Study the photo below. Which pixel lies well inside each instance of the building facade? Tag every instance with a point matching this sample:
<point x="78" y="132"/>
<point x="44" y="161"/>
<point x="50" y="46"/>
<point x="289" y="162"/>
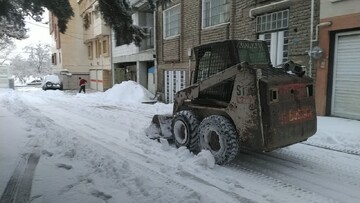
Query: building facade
<point x="182" y="24"/>
<point x="96" y="39"/>
<point x="338" y="69"/>
<point x="68" y="50"/>
<point x="136" y="62"/>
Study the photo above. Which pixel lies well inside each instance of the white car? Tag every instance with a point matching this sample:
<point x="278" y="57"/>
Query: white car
<point x="35" y="82"/>
<point x="52" y="82"/>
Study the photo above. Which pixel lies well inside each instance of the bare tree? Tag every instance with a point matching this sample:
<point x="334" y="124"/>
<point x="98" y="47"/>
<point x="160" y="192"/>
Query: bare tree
<point x="37" y="63"/>
<point x="19" y="68"/>
<point x="6" y="47"/>
<point x="39" y="59"/>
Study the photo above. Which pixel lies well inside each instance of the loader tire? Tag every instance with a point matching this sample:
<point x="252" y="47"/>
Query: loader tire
<point x="218" y="135"/>
<point x="184" y="129"/>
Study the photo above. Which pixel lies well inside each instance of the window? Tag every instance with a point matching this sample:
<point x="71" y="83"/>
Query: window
<point x="171" y="21"/>
<point x="87" y="20"/>
<point x="273" y="28"/>
<point x="53" y="59"/>
<point x="98" y="48"/>
<point x="272" y="21"/>
<point x="105" y="46"/>
<point x="59" y="58"/>
<point x="90" y="50"/>
<point x="215" y="12"/>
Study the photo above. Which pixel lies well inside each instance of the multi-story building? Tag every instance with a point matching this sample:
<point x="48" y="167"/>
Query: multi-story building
<point x="133" y="62"/>
<point x="96" y="39"/>
<point x="338" y="69"/>
<point x="68" y="50"/>
<point x="182" y="24"/>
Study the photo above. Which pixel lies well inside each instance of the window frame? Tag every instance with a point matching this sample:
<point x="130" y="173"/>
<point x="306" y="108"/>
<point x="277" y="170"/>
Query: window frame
<point x="265" y="22"/>
<point x="90" y="50"/>
<point x="203" y="13"/>
<point x="165" y="26"/>
<point x="274" y="29"/>
<point x="105" y="46"/>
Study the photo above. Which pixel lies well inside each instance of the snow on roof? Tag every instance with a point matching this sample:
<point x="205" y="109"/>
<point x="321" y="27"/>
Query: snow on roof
<point x="128" y="92"/>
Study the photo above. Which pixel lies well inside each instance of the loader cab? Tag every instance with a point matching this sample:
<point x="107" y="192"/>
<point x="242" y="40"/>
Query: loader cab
<point x="215" y="57"/>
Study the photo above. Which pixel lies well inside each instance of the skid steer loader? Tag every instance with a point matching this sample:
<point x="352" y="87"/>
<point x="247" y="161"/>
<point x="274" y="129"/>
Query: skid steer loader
<point x="238" y="99"/>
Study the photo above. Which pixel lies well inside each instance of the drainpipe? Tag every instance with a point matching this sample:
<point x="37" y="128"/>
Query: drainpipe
<point x="328" y="23"/>
<point x="311" y="37"/>
<point x="111" y="58"/>
<point x="155" y="59"/>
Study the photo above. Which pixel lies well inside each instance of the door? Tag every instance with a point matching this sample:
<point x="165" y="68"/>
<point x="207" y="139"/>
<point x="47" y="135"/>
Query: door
<point x="278" y="46"/>
<point x="346" y="76"/>
<point x="174" y="81"/>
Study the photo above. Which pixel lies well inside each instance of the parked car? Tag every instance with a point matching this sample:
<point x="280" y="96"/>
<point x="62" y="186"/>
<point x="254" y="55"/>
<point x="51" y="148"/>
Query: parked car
<point x="52" y="82"/>
<point x="35" y="82"/>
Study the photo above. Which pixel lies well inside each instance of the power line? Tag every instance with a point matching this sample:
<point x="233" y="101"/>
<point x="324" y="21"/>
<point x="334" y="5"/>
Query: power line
<point x="42" y="26"/>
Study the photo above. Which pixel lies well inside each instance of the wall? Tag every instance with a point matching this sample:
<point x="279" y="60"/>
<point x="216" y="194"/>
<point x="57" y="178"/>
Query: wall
<point x="339" y="24"/>
<point x="331" y="8"/>
<point x="74" y="51"/>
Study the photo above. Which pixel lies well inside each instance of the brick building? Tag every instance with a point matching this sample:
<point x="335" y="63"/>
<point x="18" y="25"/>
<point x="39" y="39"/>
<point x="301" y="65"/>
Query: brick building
<point x="183" y="24"/>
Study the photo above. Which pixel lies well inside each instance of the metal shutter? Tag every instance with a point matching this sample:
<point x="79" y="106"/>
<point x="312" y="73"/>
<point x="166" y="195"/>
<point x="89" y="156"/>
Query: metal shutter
<point x="346" y="81"/>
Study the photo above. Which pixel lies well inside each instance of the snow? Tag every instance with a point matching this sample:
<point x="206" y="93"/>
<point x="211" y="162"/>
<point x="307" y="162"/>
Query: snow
<point x="93" y="148"/>
<point x="337" y="133"/>
<point x="128" y="92"/>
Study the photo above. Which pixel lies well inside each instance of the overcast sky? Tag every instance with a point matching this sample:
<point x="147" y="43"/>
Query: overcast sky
<point x="38" y="32"/>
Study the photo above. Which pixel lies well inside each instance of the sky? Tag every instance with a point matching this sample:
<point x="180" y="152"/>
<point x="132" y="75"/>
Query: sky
<point x="38" y="32"/>
<point x="92" y="148"/>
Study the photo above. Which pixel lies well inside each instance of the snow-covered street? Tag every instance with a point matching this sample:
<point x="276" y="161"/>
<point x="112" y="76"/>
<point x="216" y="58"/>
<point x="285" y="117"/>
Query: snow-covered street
<point x="61" y="146"/>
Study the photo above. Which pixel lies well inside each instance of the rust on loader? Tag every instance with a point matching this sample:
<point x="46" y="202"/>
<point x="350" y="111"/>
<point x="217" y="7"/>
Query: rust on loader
<point x="238" y="99"/>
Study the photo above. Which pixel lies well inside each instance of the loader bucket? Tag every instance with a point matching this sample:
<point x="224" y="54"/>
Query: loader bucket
<point x="160" y="127"/>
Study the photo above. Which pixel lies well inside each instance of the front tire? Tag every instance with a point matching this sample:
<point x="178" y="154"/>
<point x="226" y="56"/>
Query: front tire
<point x="218" y="135"/>
<point x="184" y="129"/>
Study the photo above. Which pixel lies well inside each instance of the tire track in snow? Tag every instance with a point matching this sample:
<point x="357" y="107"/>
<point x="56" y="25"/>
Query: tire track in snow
<point x="265" y="169"/>
<point x="352" y="152"/>
<point x="18" y="189"/>
<point x="138" y="166"/>
<point x="303" y="175"/>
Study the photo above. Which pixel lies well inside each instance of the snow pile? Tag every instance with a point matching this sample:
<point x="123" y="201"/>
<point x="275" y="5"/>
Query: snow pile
<point x="205" y="158"/>
<point x="128" y="92"/>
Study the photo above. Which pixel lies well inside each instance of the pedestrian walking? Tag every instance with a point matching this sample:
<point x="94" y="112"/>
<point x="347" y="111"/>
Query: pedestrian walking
<point x="82" y="84"/>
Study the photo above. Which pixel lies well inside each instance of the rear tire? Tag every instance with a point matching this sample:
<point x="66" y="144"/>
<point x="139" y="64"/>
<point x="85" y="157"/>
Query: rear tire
<point x="48" y="85"/>
<point x="218" y="135"/>
<point x="184" y="129"/>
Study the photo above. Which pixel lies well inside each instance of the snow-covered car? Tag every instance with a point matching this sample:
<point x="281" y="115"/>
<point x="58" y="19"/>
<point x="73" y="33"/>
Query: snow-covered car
<point x="35" y="82"/>
<point x="52" y="82"/>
